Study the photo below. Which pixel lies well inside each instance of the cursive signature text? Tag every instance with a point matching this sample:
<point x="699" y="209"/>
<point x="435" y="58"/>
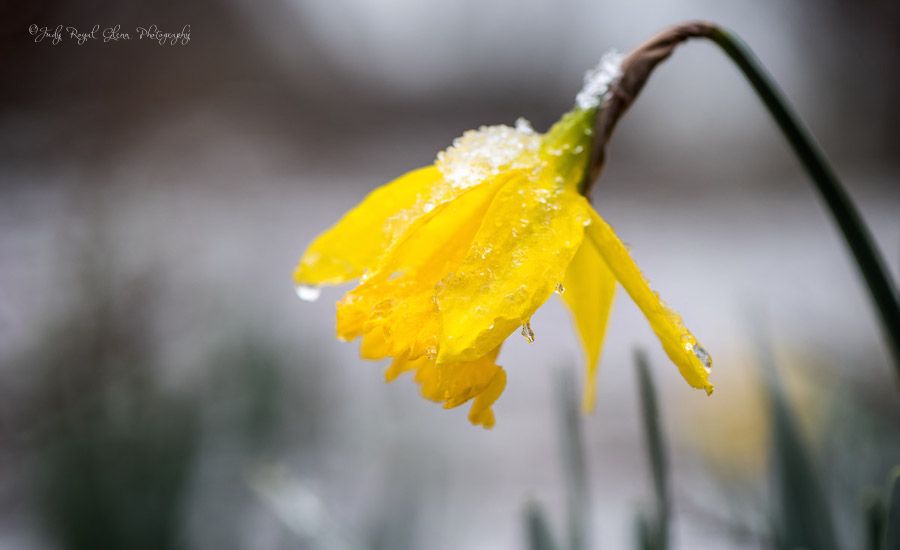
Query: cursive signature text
<point x="56" y="35"/>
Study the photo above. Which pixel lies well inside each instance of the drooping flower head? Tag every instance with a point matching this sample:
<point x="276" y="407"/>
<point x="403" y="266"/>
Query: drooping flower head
<point x="454" y="257"/>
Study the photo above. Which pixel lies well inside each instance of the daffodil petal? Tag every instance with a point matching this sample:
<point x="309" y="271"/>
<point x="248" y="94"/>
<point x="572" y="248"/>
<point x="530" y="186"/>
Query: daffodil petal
<point x="481" y="413"/>
<point x="588" y="291"/>
<point x="453" y="384"/>
<point x="356" y="242"/>
<point x="680" y="345"/>
<point x="527" y="239"/>
<point x="394" y="309"/>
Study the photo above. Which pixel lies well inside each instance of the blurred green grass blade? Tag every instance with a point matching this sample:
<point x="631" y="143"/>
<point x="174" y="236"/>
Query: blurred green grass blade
<point x="659" y="528"/>
<point x="804" y="519"/>
<point x="874" y="520"/>
<point x="573" y="456"/>
<point x="892" y="518"/>
<point x="644" y="533"/>
<point x="537" y="528"/>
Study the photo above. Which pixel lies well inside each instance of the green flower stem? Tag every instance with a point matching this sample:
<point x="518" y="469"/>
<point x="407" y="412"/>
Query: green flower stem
<point x="844" y="212"/>
<point x="636" y="69"/>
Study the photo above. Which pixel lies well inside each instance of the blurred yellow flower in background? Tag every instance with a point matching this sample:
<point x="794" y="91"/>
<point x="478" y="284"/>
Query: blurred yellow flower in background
<point x="454" y="257"/>
<point x="733" y="433"/>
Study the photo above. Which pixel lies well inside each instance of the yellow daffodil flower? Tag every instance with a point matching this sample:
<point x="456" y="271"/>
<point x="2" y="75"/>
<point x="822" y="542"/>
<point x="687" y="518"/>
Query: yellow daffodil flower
<point x="454" y="257"/>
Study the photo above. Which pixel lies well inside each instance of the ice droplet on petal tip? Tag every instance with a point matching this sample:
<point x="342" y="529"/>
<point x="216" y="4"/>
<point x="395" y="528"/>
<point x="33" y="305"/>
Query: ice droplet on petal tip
<point x="308" y="293"/>
<point x="559" y="288"/>
<point x="528" y="332"/>
<point x="703" y="356"/>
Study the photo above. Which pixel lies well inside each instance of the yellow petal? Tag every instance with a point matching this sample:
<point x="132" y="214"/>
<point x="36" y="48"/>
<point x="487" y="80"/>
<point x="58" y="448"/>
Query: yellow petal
<point x="394" y="309"/>
<point x="588" y="291"/>
<point x="455" y="383"/>
<point x="481" y="413"/>
<point x="527" y="239"/>
<point x="680" y="345"/>
<point x="356" y="242"/>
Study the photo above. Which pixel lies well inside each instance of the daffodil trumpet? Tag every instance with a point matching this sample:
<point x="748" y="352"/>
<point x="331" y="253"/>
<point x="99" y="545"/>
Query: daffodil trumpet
<point x="455" y="257"/>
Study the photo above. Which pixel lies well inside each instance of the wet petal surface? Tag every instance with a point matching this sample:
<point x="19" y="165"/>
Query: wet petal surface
<point x="679" y="343"/>
<point x="394" y="309"/>
<point x="525" y="243"/>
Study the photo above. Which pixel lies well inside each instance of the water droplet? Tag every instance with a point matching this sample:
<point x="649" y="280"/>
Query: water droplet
<point x="428" y="207"/>
<point x="527" y="332"/>
<point x="308" y="293"/>
<point x="559" y="288"/>
<point x="703" y="356"/>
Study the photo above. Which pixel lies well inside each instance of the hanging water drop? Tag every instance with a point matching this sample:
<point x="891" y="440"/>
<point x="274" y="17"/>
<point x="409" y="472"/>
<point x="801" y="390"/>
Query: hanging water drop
<point x="527" y="332"/>
<point x="559" y="288"/>
<point x="308" y="293"/>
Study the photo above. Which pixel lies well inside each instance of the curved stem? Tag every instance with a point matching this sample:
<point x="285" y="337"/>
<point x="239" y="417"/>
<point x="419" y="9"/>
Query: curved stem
<point x="636" y="69"/>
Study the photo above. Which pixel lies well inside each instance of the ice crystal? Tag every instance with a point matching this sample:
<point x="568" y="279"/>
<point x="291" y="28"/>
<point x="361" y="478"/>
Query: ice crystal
<point x="598" y="81"/>
<point x="480" y="154"/>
